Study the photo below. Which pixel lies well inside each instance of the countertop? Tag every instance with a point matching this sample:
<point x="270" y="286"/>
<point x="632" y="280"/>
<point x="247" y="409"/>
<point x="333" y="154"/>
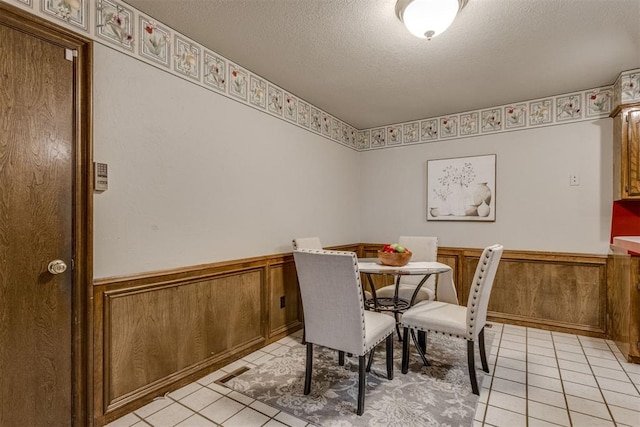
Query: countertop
<point x="631" y="244"/>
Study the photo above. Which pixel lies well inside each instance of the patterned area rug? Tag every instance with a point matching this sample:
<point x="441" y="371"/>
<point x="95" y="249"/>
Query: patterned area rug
<point x="436" y="395"/>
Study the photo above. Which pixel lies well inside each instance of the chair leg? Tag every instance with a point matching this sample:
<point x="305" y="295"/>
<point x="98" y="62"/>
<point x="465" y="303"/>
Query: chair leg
<point x="307" y="374"/>
<point x="370" y="361"/>
<point x="483" y="352"/>
<point x="361" y="385"/>
<point x="389" y="356"/>
<point x="420" y="352"/>
<point x="405" y="352"/>
<point x="397" y="316"/>
<point x="341" y="358"/>
<point x="472" y="368"/>
<point x="422" y="340"/>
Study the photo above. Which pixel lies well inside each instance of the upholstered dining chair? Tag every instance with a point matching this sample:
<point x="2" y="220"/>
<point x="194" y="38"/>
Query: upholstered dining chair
<point x="333" y="305"/>
<point x="456" y="320"/>
<point x="306" y="243"/>
<point x="424" y="248"/>
<point x="314" y="243"/>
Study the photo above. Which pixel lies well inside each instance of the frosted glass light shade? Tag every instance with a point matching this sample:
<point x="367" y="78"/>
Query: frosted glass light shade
<point x="427" y="18"/>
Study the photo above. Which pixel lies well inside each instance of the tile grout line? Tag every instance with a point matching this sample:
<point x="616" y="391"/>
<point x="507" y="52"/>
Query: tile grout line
<point x="564" y="392"/>
<point x="230" y="376"/>
<point x="526" y="376"/>
<point x="139" y="419"/>
<point x="562" y="381"/>
<point x="491" y="386"/>
<point x="604" y="399"/>
<point x="636" y="386"/>
<point x="500" y="347"/>
<point x="486" y="406"/>
<point x="241" y="370"/>
<point x="195" y="412"/>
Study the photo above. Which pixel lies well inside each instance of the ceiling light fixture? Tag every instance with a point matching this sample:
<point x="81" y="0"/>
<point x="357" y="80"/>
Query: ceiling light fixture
<point x="428" y="18"/>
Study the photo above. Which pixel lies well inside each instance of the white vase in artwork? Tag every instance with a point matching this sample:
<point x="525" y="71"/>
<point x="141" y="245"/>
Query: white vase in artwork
<point x="483" y="209"/>
<point x="457" y="205"/>
<point x="482" y="193"/>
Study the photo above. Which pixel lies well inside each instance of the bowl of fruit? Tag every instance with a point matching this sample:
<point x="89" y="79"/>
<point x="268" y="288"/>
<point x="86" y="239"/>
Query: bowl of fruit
<point x="394" y="255"/>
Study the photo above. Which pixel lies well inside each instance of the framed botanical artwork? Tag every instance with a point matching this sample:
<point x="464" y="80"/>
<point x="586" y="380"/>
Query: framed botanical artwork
<point x="462" y="189"/>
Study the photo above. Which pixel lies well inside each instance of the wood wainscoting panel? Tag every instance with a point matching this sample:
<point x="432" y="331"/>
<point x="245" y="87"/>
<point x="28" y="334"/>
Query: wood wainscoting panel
<point x="623" y="304"/>
<point x="156" y="334"/>
<point x="453" y="258"/>
<point x="285" y="311"/>
<point x="634" y="311"/>
<point x="563" y="292"/>
<point x="618" y="300"/>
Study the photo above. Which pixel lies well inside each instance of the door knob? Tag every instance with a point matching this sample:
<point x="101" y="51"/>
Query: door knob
<point x="57" y="266"/>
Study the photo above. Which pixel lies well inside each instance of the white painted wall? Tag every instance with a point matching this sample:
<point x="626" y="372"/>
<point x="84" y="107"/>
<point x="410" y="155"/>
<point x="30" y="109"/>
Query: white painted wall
<point x="536" y="208"/>
<point x="195" y="177"/>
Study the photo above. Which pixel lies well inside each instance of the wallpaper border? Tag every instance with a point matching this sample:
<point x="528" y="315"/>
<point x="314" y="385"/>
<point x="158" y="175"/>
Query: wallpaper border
<point x="122" y="27"/>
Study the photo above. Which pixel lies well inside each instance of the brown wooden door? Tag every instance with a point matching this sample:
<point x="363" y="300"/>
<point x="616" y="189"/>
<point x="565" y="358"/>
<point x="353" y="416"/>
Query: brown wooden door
<point x="36" y="227"/>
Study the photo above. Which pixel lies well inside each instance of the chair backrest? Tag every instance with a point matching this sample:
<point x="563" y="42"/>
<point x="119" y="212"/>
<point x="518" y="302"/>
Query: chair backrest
<point x="424" y="248"/>
<point x="481" y="290"/>
<point x="306" y="243"/>
<point x="331" y="299"/>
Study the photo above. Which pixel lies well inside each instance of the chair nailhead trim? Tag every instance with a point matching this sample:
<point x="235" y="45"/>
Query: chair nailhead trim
<point x="367" y="350"/>
<point x="443" y="333"/>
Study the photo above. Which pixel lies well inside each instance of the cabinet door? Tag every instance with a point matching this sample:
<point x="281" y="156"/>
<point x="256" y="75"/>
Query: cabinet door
<point x="633" y="154"/>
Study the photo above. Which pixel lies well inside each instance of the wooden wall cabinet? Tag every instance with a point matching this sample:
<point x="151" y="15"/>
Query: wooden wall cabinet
<point x="626" y="152"/>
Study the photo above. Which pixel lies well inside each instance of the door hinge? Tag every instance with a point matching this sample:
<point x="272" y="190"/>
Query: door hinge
<point x="73" y="264"/>
<point x="69" y="54"/>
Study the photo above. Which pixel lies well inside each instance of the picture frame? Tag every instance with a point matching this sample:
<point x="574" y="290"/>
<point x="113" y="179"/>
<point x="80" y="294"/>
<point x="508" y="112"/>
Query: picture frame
<point x="462" y="189"/>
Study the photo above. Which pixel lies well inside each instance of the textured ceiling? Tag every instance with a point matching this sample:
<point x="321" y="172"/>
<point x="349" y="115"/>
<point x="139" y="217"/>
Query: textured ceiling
<point x="355" y="60"/>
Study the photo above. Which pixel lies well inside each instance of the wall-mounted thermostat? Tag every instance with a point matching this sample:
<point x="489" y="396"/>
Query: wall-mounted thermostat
<point x="100" y="177"/>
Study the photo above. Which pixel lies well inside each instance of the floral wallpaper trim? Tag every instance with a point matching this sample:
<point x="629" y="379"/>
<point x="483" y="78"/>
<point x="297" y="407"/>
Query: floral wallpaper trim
<point x="187" y="58"/>
<point x="116" y="24"/>
<point x="258" y="92"/>
<point x="155" y="41"/>
<point x="626" y="89"/>
<point x="565" y="108"/>
<point x="72" y="12"/>
<point x="215" y="71"/>
<point x="238" y="81"/>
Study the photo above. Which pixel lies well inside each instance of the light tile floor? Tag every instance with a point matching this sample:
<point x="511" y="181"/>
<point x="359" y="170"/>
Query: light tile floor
<point x="538" y="378"/>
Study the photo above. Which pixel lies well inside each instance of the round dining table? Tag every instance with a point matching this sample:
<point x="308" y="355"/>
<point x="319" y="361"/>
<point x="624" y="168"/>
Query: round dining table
<point x="396" y="304"/>
<point x="371" y="266"/>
